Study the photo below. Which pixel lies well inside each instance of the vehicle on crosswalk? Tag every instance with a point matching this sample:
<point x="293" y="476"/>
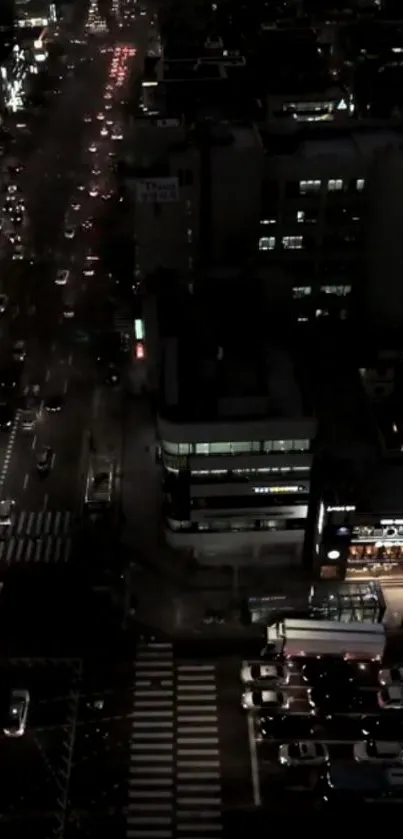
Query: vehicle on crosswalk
<point x="17" y="713"/>
<point x="258" y="672"/>
<point x="6" y="512"/>
<point x="378" y="751"/>
<point x="391" y="676"/>
<point x="303" y="753"/>
<point x="44" y="460"/>
<point x="265" y="699"/>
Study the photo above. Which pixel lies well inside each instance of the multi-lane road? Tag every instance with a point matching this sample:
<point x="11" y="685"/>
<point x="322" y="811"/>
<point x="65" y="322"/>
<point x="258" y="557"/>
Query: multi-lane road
<point x="58" y="354"/>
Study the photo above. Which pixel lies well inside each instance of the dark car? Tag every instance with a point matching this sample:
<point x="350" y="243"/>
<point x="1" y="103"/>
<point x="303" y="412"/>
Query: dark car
<point x="289" y="727"/>
<point x="54" y="403"/>
<point x="345" y="699"/>
<point x="385" y="727"/>
<point x="318" y="672"/>
<point x="7" y="415"/>
<point x="112" y="376"/>
<point x="10" y="377"/>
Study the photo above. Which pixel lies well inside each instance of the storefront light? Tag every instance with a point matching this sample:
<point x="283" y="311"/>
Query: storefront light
<point x="333" y="555"/>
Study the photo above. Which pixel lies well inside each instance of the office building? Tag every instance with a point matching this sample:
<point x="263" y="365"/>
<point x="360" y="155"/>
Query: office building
<point x="235" y="432"/>
<point x="196" y="193"/>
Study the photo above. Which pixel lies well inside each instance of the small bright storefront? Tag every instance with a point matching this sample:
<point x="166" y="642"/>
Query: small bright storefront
<point x="360" y="546"/>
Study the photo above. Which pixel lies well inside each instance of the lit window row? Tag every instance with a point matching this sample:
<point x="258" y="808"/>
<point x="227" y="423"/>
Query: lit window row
<point x="333" y="185"/>
<point x="305" y="291"/>
<point x="289" y="243"/>
<point x="236" y="447"/>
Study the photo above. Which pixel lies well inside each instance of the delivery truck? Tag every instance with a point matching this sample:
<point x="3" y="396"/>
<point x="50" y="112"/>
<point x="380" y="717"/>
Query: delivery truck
<point x="292" y="638"/>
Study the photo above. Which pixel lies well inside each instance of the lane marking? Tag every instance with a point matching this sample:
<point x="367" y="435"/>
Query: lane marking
<point x="47" y="377"/>
<point x="45" y="501"/>
<point x="65" y="386"/>
<point x="33" y="443"/>
<point x="9" y="449"/>
<point x="257" y="798"/>
<point x="26" y="479"/>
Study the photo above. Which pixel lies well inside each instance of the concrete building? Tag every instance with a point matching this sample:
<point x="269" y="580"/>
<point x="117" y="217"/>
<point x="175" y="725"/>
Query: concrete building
<point x="313" y="228"/>
<point x="235" y="436"/>
<point x="196" y="193"/>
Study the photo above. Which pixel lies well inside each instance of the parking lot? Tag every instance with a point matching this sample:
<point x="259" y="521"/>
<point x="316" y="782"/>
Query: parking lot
<point x="35" y="768"/>
<point x="344" y="713"/>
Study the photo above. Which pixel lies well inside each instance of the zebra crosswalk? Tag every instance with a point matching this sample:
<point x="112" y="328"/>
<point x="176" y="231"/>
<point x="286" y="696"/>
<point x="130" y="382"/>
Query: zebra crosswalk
<point x="175" y="778"/>
<point x="40" y="536"/>
<point x="46" y="522"/>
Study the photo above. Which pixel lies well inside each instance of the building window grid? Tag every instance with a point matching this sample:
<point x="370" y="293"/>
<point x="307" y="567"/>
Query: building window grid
<point x="267" y="243"/>
<point x="236" y="447"/>
<point x="306" y="187"/>
<point x="335" y="185"/>
<point x="292" y="243"/>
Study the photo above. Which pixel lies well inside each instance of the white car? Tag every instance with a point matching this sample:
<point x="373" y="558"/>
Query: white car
<point x="390" y="698"/>
<point x="70" y="232"/>
<point x="62" y="277"/>
<point x="92" y="148"/>
<point x="75" y="206"/>
<point x="259" y="672"/>
<point x="17" y="713"/>
<point x="272" y="700"/>
<point x="378" y="751"/>
<point x="3" y="303"/>
<point x="104" y="132"/>
<point x="303" y="753"/>
<point x="6" y="509"/>
<point x="87" y="118"/>
<point x="19" y="253"/>
<point x="93" y="191"/>
<point x="393" y="676"/>
<point x="117" y="135"/>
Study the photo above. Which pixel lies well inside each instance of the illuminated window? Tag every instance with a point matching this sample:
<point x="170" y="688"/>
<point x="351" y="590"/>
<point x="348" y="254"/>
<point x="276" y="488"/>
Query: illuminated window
<point x="292" y="243"/>
<point x="339" y="290"/>
<point x="360" y="183"/>
<point x="267" y="243"/>
<point x="309" y="186"/>
<point x="335" y="185"/>
<point x="301" y="291"/>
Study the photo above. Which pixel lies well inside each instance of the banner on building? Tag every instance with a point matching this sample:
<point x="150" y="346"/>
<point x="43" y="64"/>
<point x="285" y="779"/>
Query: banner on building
<point x="157" y="190"/>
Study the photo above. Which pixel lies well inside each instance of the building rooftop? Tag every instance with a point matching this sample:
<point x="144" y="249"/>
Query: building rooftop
<point x="221" y="364"/>
<point x="332" y="139"/>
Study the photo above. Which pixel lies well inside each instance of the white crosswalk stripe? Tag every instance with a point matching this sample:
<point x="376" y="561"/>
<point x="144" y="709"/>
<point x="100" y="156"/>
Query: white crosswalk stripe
<point x="37" y="537"/>
<point x="175" y="777"/>
<point x="35" y="523"/>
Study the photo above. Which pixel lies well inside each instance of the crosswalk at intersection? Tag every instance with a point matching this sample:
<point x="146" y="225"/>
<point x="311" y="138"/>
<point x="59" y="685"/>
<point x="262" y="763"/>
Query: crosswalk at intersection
<point x="175" y="775"/>
<point x="40" y="536"/>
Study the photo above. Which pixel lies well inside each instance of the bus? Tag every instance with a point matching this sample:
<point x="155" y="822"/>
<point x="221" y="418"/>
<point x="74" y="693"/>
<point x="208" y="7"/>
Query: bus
<point x="299" y="637"/>
<point x="100" y="484"/>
